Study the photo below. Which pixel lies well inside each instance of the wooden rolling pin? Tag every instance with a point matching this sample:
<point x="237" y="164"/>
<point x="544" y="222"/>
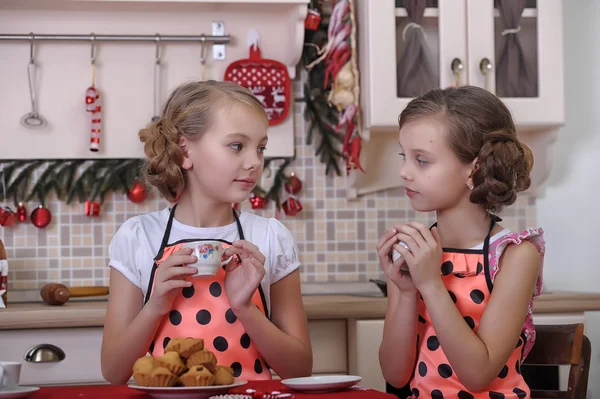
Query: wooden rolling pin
<point x="58" y="294"/>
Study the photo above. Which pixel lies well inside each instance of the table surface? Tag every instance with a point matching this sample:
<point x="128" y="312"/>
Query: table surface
<point x="124" y="392"/>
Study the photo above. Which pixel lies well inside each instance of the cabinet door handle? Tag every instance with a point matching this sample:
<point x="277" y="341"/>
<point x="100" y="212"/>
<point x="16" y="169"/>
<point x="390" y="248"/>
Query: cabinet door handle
<point x="44" y="353"/>
<point x="485" y="66"/>
<point x="457" y="67"/>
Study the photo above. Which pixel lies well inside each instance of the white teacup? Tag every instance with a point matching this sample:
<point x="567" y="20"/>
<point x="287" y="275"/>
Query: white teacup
<point x="209" y="254"/>
<point x="10" y="374"/>
<point x="396" y="255"/>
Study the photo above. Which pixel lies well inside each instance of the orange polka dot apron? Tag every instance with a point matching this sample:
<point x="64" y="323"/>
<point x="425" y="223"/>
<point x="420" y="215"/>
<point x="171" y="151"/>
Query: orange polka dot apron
<point x="466" y="275"/>
<point x="203" y="311"/>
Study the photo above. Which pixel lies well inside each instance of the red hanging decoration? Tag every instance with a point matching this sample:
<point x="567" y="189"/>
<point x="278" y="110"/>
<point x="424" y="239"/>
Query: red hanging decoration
<point x="353" y="157"/>
<point x="41" y="217"/>
<point x="137" y="193"/>
<point x="258" y="201"/>
<point x="291" y="206"/>
<point x="313" y="19"/>
<point x="7" y="217"/>
<point x="21" y="212"/>
<point x="92" y="208"/>
<point x="236" y="206"/>
<point x="293" y="185"/>
<point x="93" y="107"/>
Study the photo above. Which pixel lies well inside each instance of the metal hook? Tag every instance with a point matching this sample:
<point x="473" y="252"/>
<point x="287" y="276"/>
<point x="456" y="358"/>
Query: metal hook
<point x="203" y="49"/>
<point x="31" y="59"/>
<point x="157" y="55"/>
<point x="92" y="50"/>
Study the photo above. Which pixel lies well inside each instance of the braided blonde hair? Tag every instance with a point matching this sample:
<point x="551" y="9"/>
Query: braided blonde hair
<point x="188" y="112"/>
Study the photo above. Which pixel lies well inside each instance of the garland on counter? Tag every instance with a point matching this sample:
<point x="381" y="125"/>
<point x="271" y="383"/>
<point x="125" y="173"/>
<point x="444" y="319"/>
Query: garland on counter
<point x="331" y="91"/>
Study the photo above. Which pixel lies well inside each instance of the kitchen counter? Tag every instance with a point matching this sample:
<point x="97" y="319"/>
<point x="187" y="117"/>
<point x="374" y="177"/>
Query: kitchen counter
<point x="91" y="313"/>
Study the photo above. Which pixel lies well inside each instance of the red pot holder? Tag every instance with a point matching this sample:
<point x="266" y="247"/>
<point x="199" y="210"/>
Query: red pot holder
<point x="267" y="79"/>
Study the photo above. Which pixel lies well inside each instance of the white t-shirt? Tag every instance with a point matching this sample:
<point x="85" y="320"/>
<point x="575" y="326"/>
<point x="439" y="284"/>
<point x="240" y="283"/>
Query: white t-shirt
<point x="136" y="243"/>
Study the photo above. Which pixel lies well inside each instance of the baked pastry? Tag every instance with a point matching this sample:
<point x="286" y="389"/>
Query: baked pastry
<point x="161" y="377"/>
<point x="189" y="346"/>
<point x="197" y="376"/>
<point x="202" y="358"/>
<point x="142" y="368"/>
<point x="173" y="345"/>
<point x="223" y="375"/>
<point x="171" y="361"/>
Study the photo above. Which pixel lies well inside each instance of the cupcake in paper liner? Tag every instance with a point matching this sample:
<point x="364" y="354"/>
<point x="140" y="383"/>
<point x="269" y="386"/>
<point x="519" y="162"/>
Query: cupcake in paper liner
<point x="189" y="346"/>
<point x="223" y="375"/>
<point x="197" y="376"/>
<point x="172" y="362"/>
<point x="142" y="368"/>
<point x="203" y="358"/>
<point x="161" y="377"/>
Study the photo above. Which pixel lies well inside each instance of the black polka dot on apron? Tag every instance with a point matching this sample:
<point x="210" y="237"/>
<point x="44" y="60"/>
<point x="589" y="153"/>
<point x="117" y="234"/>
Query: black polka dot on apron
<point x="422" y="369"/>
<point x="166" y="342"/>
<point x="479" y="267"/>
<point x="503" y="372"/>
<point x="203" y="317"/>
<point x="237" y="369"/>
<point x="437" y="394"/>
<point x="445" y="371"/>
<point x="151" y="349"/>
<point x="447" y="268"/>
<point x="470" y="321"/>
<point x="415" y="392"/>
<point x="452" y="296"/>
<point x="465" y="395"/>
<point x="518" y="366"/>
<point x="258" y="368"/>
<point x="422" y="319"/>
<point x="458" y="275"/>
<point x="433" y="343"/>
<point x="175" y="317"/>
<point x="521" y="394"/>
<point x="421" y="296"/>
<point x="519" y="343"/>
<point x="220" y="344"/>
<point x="245" y="341"/>
<point x="230" y="316"/>
<point x="188" y="292"/>
<point x="215" y="289"/>
<point x="477" y="296"/>
<point x="496" y="395"/>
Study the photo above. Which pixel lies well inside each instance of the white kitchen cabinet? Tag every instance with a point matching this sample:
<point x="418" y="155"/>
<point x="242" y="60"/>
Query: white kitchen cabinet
<point x="81" y="346"/>
<point x="461" y="38"/>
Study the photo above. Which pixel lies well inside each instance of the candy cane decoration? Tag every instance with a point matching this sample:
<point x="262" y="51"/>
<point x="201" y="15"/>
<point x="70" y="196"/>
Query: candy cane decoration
<point x="92" y="101"/>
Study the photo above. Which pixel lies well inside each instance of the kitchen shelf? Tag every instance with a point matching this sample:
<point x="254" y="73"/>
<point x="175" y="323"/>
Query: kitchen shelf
<point x="433" y="12"/>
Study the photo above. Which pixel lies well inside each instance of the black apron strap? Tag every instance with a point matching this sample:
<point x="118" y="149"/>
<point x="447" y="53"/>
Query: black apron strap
<point x="166" y="235"/>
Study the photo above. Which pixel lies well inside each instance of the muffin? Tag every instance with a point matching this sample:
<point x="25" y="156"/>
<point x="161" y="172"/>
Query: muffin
<point x="173" y="345"/>
<point x="223" y="375"/>
<point x="142" y="368"/>
<point x="172" y="362"/>
<point x="197" y="376"/>
<point x="189" y="346"/>
<point x="202" y="358"/>
<point x="161" y="377"/>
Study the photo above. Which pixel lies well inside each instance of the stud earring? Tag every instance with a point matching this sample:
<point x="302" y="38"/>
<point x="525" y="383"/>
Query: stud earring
<point x="471" y="187"/>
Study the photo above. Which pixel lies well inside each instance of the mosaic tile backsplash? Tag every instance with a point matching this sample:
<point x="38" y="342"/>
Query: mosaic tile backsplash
<point x="336" y="237"/>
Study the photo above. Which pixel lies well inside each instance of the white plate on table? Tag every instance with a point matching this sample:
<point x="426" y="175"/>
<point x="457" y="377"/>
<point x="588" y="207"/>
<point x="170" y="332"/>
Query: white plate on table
<point x="187" y="392"/>
<point x="18" y="392"/>
<point x="322" y="383"/>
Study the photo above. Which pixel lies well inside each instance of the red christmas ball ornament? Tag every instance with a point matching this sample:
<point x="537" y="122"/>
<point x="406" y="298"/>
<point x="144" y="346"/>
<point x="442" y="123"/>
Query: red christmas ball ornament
<point x="258" y="201"/>
<point x="312" y="20"/>
<point x="291" y="206"/>
<point x="293" y="185"/>
<point x="7" y="217"/>
<point x="21" y="212"/>
<point x="41" y="217"/>
<point x="92" y="208"/>
<point x="137" y="193"/>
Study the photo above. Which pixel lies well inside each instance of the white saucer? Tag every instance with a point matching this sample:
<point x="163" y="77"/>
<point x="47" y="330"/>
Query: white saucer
<point x="187" y="392"/>
<point x="18" y="392"/>
<point x="322" y="383"/>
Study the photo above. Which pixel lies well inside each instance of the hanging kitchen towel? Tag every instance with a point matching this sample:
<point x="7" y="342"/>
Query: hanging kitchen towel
<point x="267" y="79"/>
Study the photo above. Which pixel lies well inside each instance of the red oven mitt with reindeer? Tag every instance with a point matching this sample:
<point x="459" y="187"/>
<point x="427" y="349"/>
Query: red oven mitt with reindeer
<point x="267" y="79"/>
